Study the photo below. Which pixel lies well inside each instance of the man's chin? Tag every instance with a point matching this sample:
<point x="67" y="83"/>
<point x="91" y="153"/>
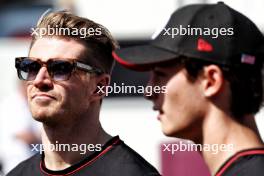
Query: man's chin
<point x="43" y="115"/>
<point x="41" y="118"/>
<point x="168" y="132"/>
<point x="47" y="120"/>
<point x="173" y="132"/>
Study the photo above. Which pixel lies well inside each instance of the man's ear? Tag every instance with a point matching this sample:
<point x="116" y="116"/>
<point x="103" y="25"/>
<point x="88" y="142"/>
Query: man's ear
<point x="212" y="80"/>
<point x="102" y="83"/>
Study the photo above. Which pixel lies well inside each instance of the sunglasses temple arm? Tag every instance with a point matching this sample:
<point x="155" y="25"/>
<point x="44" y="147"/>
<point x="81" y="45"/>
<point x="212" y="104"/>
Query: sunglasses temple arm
<point x="88" y="68"/>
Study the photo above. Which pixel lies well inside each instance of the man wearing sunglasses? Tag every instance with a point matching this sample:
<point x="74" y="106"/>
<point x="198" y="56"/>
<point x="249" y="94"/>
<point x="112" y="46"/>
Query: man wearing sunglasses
<point x="213" y="84"/>
<point x="62" y="74"/>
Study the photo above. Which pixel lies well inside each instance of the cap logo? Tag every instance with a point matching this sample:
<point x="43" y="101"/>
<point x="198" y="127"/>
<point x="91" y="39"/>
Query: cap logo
<point x="248" y="59"/>
<point x="203" y="45"/>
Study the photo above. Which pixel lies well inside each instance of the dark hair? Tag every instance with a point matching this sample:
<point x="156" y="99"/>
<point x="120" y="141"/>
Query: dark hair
<point x="99" y="47"/>
<point x="245" y="85"/>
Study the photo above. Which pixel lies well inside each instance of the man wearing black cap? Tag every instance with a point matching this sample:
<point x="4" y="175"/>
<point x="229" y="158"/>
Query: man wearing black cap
<point x="210" y="58"/>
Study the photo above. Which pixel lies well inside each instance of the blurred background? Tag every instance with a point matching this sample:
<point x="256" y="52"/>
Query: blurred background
<point x="127" y="115"/>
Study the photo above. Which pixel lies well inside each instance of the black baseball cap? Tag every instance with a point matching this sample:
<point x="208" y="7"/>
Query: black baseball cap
<point x="208" y="32"/>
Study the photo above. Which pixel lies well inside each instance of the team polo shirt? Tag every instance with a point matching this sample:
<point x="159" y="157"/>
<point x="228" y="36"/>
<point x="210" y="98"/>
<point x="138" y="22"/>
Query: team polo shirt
<point x="115" y="159"/>
<point x="244" y="163"/>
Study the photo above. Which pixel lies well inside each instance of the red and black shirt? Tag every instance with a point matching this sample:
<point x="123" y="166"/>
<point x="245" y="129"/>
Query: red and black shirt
<point x="115" y="159"/>
<point x="244" y="163"/>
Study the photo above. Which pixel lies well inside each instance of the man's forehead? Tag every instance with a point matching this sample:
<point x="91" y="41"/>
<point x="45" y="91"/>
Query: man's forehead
<point x="54" y="47"/>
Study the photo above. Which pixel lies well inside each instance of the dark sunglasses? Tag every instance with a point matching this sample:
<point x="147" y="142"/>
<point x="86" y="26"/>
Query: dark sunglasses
<point x="59" y="70"/>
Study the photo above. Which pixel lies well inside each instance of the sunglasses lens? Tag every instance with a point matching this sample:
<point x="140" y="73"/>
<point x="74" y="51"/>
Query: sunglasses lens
<point x="27" y="69"/>
<point x="60" y="70"/>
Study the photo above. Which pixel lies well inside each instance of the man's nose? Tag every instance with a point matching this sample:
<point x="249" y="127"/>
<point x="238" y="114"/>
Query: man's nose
<point x="43" y="78"/>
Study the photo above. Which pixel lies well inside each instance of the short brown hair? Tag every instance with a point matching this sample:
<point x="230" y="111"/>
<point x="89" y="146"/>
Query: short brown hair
<point x="99" y="45"/>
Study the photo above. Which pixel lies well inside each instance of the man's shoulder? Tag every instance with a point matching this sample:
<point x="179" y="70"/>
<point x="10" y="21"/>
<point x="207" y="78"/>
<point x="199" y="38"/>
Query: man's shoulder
<point x="129" y="161"/>
<point x="27" y="167"/>
<point x="251" y="165"/>
<point x="248" y="162"/>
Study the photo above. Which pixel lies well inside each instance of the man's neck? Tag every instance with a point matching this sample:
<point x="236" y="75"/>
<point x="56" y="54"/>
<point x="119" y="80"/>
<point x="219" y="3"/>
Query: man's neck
<point x="82" y="132"/>
<point x="221" y="129"/>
